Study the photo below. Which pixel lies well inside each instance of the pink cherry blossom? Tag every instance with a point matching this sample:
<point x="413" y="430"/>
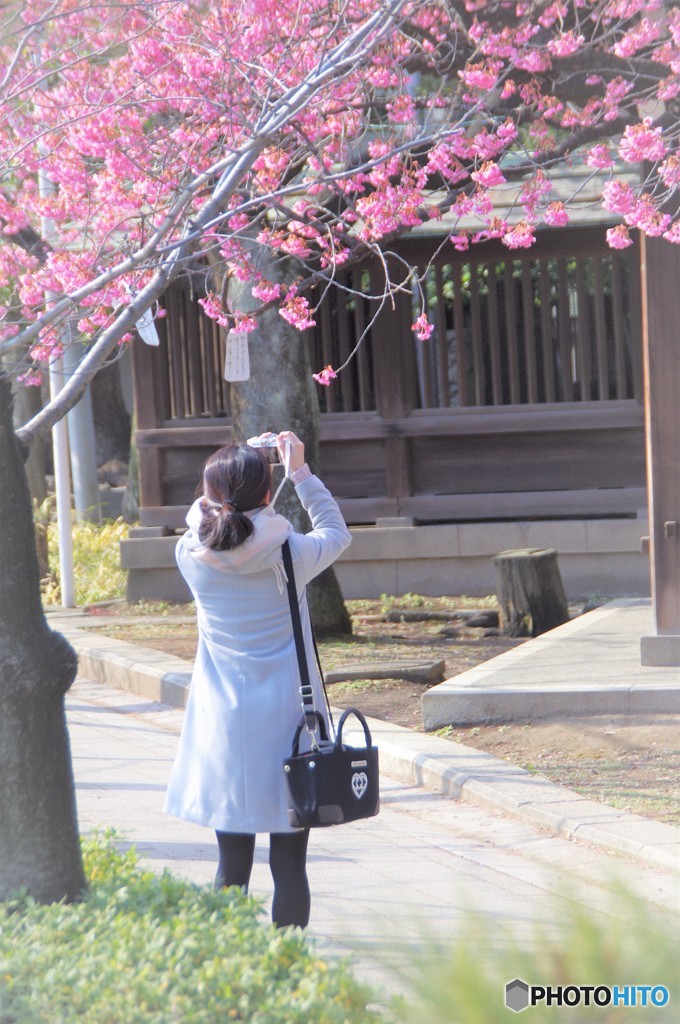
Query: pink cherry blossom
<point x="422" y="327"/>
<point x="565" y="44"/>
<point x="137" y="111"/>
<point x="325" y="376"/>
<point x="481" y="76"/>
<point x="295" y="310"/>
<point x="556" y="215"/>
<point x="442" y="160"/>
<point x="619" y="237"/>
<point x="244" y="322"/>
<point x="673" y="233"/>
<point x="647" y="218"/>
<point x="670" y="172"/>
<point x="642" y="142"/>
<point x="212" y="307"/>
<point x="401" y="110"/>
<point x="267" y="291"/>
<point x="461" y="241"/>
<point x="555" y="12"/>
<point x="533" y="61"/>
<point x="488" y="175"/>
<point x="618" y="197"/>
<point x="599" y="156"/>
<point x="520" y="237"/>
<point x="640" y="36"/>
<point x="31" y="379"/>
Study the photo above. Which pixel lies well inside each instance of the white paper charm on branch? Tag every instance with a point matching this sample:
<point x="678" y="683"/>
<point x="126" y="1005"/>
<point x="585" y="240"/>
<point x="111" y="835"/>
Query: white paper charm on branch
<point x="147" y="328"/>
<point x="237" y="362"/>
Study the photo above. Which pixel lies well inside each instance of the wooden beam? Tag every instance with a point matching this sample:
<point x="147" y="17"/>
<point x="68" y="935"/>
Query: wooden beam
<point x="660" y="290"/>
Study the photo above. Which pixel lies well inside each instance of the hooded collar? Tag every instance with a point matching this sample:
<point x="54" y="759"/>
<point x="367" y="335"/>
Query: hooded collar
<point x="262" y="550"/>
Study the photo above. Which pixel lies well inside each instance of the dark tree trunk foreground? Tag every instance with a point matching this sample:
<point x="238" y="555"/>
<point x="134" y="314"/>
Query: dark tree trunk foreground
<point x="39" y="843"/>
<point x="280" y="395"/>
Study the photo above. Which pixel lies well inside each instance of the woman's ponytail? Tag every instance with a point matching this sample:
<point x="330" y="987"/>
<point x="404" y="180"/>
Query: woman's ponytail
<point x="236" y="480"/>
<point x="223" y="528"/>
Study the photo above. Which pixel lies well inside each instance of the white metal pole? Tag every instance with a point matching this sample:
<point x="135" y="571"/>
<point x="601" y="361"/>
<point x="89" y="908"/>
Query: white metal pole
<point x="62" y="487"/>
<point x="82" y="447"/>
<point x="62" y="472"/>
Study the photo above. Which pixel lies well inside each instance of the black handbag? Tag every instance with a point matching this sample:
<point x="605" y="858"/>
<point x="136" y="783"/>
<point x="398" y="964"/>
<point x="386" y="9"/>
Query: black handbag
<point x="331" y="783"/>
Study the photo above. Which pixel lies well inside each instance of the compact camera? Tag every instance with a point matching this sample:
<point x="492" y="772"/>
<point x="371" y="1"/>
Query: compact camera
<point x="269" y="446"/>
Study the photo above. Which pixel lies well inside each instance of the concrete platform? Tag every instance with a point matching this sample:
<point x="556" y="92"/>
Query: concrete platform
<point x="591" y="665"/>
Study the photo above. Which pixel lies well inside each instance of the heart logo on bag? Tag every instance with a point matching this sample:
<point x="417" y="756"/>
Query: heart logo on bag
<point x="359" y="784"/>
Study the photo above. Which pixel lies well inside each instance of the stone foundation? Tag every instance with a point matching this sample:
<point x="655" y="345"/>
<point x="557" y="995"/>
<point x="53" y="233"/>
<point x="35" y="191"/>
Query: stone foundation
<point x="597" y="558"/>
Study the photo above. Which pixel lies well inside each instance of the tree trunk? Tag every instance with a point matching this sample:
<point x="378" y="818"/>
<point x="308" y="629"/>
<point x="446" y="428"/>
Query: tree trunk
<point x="280" y="395"/>
<point x="28" y="402"/>
<point x="530" y="591"/>
<point x="111" y="414"/>
<point x="39" y="843"/>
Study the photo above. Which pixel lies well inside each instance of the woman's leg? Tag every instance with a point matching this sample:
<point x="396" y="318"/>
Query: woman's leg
<point x="237" y="850"/>
<point x="288" y="863"/>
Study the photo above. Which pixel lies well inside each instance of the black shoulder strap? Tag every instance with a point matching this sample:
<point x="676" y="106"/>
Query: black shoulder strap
<point x="306" y="692"/>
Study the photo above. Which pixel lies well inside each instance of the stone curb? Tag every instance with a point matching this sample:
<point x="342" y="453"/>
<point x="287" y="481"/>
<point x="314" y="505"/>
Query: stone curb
<point x="438" y="765"/>
<point x="492" y="691"/>
<point x="426" y="672"/>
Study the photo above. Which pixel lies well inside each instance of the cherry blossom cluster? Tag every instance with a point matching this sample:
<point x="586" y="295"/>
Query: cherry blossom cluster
<point x="120" y="120"/>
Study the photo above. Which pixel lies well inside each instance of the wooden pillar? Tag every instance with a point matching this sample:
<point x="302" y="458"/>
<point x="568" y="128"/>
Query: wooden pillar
<point x="660" y="274"/>
<point x="151" y="402"/>
<point x="395" y="384"/>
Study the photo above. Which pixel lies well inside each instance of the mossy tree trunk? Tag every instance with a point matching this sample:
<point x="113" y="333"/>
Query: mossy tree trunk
<point x="280" y="395"/>
<point x="39" y="843"/>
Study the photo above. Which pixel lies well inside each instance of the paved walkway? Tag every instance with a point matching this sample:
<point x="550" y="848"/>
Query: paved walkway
<point x="378" y="886"/>
<point x="600" y="651"/>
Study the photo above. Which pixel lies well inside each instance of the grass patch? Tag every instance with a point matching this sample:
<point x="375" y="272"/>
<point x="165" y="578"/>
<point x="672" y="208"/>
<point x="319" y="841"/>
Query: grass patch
<point x="629" y="782"/>
<point x="387" y="603"/>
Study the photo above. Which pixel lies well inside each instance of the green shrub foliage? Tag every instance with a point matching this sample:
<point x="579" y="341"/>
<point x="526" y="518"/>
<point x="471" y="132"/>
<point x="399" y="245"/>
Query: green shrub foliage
<point x="98" y="575"/>
<point x="143" y="948"/>
<point x="635" y="944"/>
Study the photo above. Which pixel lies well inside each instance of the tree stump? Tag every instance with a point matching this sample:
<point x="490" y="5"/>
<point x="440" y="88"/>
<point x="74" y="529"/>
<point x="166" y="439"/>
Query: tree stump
<point x="530" y="591"/>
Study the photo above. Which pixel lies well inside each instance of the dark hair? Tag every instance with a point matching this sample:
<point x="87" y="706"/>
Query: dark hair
<point x="236" y="479"/>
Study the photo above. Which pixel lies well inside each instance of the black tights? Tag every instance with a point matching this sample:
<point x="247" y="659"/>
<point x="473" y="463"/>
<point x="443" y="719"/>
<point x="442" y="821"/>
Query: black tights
<point x="287" y="860"/>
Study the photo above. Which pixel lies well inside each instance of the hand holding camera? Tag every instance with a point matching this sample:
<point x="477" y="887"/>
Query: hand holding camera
<point x="285" y="447"/>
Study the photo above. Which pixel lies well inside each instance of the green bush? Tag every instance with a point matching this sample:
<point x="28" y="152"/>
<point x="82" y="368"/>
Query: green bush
<point x="144" y="948"/>
<point x="96" y="559"/>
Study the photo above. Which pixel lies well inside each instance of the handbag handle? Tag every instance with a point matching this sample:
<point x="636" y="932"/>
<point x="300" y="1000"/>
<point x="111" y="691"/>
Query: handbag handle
<point x="301" y="725"/>
<point x="343" y="718"/>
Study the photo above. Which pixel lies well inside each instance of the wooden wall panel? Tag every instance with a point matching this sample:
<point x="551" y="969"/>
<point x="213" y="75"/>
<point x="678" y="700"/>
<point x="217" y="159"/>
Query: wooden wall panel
<point x="527" y="462"/>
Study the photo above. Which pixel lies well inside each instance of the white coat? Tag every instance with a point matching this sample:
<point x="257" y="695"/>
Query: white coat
<point x="244" y="701"/>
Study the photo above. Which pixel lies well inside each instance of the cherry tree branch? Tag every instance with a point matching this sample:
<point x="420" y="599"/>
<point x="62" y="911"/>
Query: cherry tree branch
<point x="339" y="61"/>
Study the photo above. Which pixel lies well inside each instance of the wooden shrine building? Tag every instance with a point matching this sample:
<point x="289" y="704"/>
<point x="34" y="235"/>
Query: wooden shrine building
<point x="519" y="422"/>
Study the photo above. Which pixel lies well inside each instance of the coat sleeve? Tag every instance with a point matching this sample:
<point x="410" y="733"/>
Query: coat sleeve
<point x="329" y="535"/>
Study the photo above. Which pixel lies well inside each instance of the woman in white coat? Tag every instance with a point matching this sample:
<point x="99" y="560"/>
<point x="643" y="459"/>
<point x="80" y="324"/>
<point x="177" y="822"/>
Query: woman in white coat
<point x="244" y="701"/>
